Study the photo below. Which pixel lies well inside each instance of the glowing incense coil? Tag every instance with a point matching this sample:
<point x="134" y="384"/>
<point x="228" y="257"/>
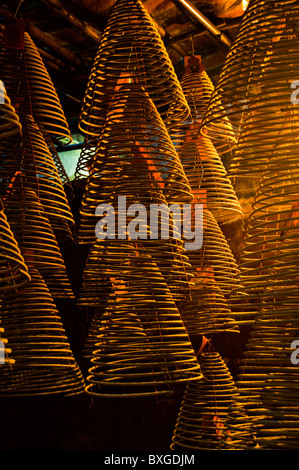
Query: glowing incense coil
<point x="9" y="120"/>
<point x="153" y="353"/>
<point x="201" y="420"/>
<point x="42" y="176"/>
<point x="46" y="106"/>
<point x="197" y="87"/>
<point x="13" y="270"/>
<point x="44" y="362"/>
<point x="131" y="48"/>
<point x="36" y="238"/>
<point x="144" y="168"/>
<point x="134" y="155"/>
<point x="257" y="77"/>
<point x="206" y="311"/>
<point x="206" y="172"/>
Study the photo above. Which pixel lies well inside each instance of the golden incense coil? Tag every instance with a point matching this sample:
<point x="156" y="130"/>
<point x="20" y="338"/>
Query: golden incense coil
<point x="131" y="49"/>
<point x="44" y="362"/>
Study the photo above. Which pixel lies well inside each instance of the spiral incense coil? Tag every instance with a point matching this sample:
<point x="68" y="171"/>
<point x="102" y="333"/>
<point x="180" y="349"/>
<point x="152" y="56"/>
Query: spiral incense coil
<point x="9" y="120"/>
<point x="46" y="106"/>
<point x="257" y="76"/>
<point x="206" y="172"/>
<point x="13" y="269"/>
<point x="198" y="89"/>
<point x="134" y="156"/>
<point x="36" y="238"/>
<point x="44" y="362"/>
<point x="201" y="420"/>
<point x="131" y="48"/>
<point x="206" y="311"/>
<point x="215" y="260"/>
<point x="42" y="175"/>
<point x="152" y="354"/>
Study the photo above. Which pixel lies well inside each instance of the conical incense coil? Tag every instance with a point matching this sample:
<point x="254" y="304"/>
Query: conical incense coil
<point x="131" y="47"/>
<point x="206" y="172"/>
<point x="134" y="155"/>
<point x="206" y="311"/>
<point x="36" y="238"/>
<point x="13" y="269"/>
<point x="278" y="425"/>
<point x="153" y="354"/>
<point x="9" y="120"/>
<point x="198" y="89"/>
<point x="214" y="260"/>
<point x="259" y="71"/>
<point x="201" y="420"/>
<point x="42" y="175"/>
<point x="46" y="106"/>
<point x="44" y="362"/>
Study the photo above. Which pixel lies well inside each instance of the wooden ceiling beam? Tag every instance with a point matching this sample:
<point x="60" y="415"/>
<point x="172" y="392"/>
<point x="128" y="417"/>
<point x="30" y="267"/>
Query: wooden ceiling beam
<point x="46" y="39"/>
<point x="204" y="21"/>
<point x="82" y="27"/>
